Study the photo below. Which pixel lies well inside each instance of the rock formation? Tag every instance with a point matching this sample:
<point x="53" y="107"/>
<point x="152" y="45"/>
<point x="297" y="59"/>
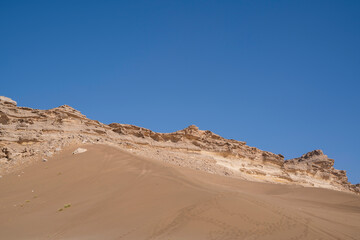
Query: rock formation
<point x="28" y="135"/>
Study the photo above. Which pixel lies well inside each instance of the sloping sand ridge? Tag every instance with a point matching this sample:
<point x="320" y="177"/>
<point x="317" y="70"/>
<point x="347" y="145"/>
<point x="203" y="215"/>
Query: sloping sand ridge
<point x="106" y="193"/>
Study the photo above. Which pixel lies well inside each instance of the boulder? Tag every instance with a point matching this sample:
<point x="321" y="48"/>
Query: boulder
<point x="7" y="100"/>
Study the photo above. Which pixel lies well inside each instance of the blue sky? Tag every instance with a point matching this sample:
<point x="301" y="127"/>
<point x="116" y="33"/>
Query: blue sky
<point x="283" y="76"/>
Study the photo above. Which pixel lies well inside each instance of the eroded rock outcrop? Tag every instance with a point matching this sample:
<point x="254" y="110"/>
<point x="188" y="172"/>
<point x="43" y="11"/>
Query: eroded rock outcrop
<point x="28" y="135"/>
<point x="316" y="168"/>
<point x="194" y="139"/>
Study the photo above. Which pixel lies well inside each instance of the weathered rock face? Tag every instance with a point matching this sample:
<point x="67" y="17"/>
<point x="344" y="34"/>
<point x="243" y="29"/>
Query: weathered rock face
<point x="311" y="161"/>
<point x="27" y="135"/>
<point x="317" y="166"/>
<point x="194" y="139"/>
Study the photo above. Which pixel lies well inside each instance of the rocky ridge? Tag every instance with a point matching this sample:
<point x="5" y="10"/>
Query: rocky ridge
<point x="28" y="135"/>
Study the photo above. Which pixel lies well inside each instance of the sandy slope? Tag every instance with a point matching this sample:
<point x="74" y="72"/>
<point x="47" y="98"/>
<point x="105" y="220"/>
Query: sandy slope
<point x="115" y="195"/>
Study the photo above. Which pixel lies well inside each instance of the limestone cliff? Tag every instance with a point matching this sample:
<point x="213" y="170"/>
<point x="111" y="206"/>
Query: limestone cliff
<point x="27" y="135"/>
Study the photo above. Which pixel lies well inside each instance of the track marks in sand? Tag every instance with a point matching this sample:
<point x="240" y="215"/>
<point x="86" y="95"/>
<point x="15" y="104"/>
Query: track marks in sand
<point x="115" y="195"/>
<point x="217" y="220"/>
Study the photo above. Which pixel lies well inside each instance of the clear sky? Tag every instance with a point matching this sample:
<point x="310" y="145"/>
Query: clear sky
<point x="284" y="76"/>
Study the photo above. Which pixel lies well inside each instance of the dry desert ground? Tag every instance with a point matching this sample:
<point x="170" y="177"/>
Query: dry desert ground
<point x="106" y="193"/>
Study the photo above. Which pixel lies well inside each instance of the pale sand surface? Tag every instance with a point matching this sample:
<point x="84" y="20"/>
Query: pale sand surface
<point x="115" y="195"/>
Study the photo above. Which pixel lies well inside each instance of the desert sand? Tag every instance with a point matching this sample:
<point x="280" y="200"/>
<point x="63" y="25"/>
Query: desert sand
<point x="107" y="193"/>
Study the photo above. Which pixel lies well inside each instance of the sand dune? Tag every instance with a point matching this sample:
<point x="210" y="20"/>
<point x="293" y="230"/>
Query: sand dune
<point x="106" y="193"/>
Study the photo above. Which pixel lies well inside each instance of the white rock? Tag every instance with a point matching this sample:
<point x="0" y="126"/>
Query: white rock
<point x="7" y="100"/>
<point x="79" y="150"/>
<point x="44" y="160"/>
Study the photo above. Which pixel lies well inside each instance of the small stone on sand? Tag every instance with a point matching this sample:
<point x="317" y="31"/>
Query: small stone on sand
<point x="79" y="150"/>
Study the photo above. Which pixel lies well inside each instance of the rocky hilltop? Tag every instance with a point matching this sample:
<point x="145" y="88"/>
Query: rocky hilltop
<point x="28" y="135"/>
